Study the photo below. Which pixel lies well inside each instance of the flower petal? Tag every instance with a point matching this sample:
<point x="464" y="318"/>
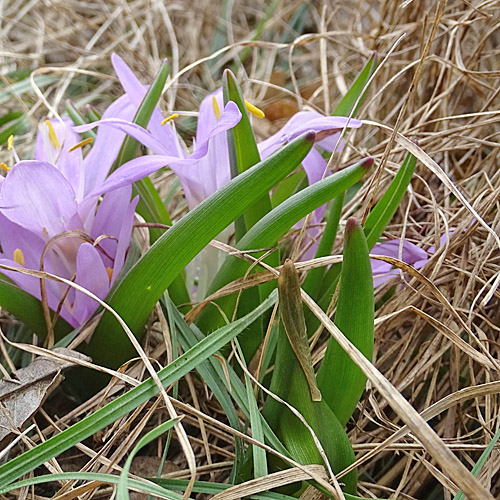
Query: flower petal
<point x="67" y="163"/>
<point x="91" y="274"/>
<point x="124" y="238"/>
<point x="106" y="147"/>
<point x="134" y="170"/>
<point x="207" y="119"/>
<point x="136" y="91"/>
<point x="302" y="122"/>
<point x="410" y="252"/>
<point x="126" y="127"/>
<point x="38" y="197"/>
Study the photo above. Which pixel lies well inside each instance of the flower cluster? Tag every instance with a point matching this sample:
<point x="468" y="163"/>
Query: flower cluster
<point x="73" y="217"/>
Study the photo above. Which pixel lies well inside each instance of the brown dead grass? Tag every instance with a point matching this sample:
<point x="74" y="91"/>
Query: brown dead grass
<point x="439" y="86"/>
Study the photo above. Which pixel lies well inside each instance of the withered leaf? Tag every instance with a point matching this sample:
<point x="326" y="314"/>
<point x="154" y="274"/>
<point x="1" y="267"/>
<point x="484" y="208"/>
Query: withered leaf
<point x="21" y="398"/>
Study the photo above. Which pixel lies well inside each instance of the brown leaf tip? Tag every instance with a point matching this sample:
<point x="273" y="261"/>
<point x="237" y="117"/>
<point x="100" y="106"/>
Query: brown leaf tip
<point x="351" y="225"/>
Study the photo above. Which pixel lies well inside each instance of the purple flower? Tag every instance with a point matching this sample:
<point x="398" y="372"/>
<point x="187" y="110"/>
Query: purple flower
<point x="51" y="216"/>
<point x="207" y="168"/>
<point x="203" y="171"/>
<point x="410" y="254"/>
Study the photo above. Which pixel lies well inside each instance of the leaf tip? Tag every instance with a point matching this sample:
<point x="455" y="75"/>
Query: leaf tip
<point x="368" y="162"/>
<point x="351" y="225"/>
<point x="310" y="136"/>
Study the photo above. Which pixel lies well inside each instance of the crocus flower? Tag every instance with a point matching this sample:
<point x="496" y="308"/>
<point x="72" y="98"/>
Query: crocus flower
<point x="207" y="168"/>
<point x="410" y="254"/>
<point x="47" y="219"/>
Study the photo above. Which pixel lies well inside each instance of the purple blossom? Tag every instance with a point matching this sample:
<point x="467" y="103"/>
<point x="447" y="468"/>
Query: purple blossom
<point x="207" y="168"/>
<point x="410" y="254"/>
<point x="51" y="215"/>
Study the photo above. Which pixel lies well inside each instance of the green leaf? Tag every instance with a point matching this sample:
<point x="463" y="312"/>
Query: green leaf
<point x="214" y="374"/>
<point x="18" y="126"/>
<point x="480" y="463"/>
<point x="375" y="225"/>
<point x="357" y="91"/>
<point x="29" y="460"/>
<point x="314" y="277"/>
<point x="243" y="151"/>
<point x="122" y="489"/>
<point x="292" y="383"/>
<point x="340" y="380"/>
<point x="272" y="227"/>
<point x="145" y="283"/>
<point x="21" y="87"/>
<point x="384" y="210"/>
<point x="28" y="309"/>
<point x="145" y="486"/>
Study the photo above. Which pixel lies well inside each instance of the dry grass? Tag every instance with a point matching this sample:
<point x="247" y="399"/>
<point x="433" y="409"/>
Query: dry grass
<point x="439" y="86"/>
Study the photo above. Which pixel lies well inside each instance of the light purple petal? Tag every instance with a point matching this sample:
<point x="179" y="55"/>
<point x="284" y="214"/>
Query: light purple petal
<point x="38" y="197"/>
<point x="91" y="274"/>
<point x="302" y="122"/>
<point x="136" y="91"/>
<point x="135" y="131"/>
<point x="109" y="220"/>
<point x="124" y="238"/>
<point x="134" y="170"/>
<point x="201" y="179"/>
<point x="67" y="163"/>
<point x="314" y="165"/>
<point x="106" y="147"/>
<point x="410" y="252"/>
<point x="13" y="237"/>
<point x="206" y="117"/>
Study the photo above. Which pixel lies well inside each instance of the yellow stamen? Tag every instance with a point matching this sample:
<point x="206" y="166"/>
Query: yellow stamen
<point x="215" y="105"/>
<point x="10" y="142"/>
<point x="110" y="273"/>
<point x="254" y="110"/>
<point x="52" y="135"/>
<point x="171" y="117"/>
<point x="4" y="166"/>
<point x="81" y="144"/>
<point x="19" y="256"/>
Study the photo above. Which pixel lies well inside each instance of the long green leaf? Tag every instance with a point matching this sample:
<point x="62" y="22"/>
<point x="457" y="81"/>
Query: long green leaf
<point x="314" y="277"/>
<point x="122" y="489"/>
<point x="384" y="210"/>
<point x="145" y="486"/>
<point x="21" y="87"/>
<point x="375" y="225"/>
<point x="28" y="309"/>
<point x="145" y="283"/>
<point x="293" y="381"/>
<point x="119" y="407"/>
<point x="480" y="463"/>
<point x="340" y="380"/>
<point x="214" y="375"/>
<point x="243" y="148"/>
<point x="273" y="226"/>
<point x="358" y="88"/>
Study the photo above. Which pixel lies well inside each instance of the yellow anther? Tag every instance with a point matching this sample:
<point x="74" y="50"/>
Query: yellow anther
<point x="215" y="105"/>
<point x="171" y="117"/>
<point x="81" y="144"/>
<point x="52" y="135"/>
<point x="19" y="257"/>
<point x="254" y="110"/>
<point x="10" y="142"/>
<point x="4" y="166"/>
<point x="110" y="273"/>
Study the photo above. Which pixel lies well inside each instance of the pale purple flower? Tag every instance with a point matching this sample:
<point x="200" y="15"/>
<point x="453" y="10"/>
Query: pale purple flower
<point x="59" y="191"/>
<point x="410" y="254"/>
<point x="207" y="168"/>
